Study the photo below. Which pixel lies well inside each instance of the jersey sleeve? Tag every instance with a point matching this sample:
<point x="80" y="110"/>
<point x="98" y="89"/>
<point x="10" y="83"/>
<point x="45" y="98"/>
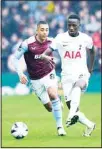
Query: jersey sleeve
<point x="55" y="43"/>
<point x="17" y="55"/>
<point x="21" y="50"/>
<point x="89" y="43"/>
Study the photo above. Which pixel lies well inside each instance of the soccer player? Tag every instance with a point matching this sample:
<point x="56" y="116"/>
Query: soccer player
<point x="73" y="46"/>
<point x="41" y="71"/>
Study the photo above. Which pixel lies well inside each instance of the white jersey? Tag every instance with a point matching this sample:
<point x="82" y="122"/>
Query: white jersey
<point x="73" y="52"/>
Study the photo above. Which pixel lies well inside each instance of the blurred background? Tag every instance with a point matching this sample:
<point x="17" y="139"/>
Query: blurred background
<point x="19" y="19"/>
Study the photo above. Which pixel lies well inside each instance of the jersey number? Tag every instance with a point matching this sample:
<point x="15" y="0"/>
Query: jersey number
<point x="52" y="76"/>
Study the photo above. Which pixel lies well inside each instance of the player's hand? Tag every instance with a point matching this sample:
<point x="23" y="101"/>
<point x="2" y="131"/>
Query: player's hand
<point x="23" y="79"/>
<point x="90" y="71"/>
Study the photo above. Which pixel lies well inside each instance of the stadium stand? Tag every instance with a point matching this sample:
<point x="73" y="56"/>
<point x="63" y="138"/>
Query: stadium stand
<point x="19" y="22"/>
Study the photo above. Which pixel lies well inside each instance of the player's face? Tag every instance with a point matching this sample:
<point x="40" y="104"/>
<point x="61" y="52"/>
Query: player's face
<point x="43" y="31"/>
<point x="73" y="27"/>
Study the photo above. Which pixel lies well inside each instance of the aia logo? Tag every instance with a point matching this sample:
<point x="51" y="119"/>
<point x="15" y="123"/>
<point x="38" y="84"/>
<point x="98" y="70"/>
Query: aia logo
<point x="72" y="54"/>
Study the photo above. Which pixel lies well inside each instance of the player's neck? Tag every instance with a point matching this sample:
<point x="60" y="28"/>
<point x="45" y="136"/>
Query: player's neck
<point x="39" y="40"/>
<point x="74" y="35"/>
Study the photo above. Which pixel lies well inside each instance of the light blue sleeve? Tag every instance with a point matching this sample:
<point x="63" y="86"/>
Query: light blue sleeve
<point x="17" y="55"/>
<point x="21" y="50"/>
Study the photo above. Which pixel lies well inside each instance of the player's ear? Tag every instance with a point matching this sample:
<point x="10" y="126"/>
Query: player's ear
<point x="37" y="29"/>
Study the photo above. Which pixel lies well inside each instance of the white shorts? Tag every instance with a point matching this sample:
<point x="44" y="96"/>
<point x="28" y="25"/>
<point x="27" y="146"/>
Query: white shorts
<point x="40" y="86"/>
<point x="68" y="83"/>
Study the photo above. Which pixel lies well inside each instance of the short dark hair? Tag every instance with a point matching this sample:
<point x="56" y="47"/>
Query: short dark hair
<point x="74" y="16"/>
<point x="41" y="22"/>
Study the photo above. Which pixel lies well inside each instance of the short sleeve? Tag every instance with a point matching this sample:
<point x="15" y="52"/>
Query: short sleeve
<point x="55" y="43"/>
<point x="89" y="43"/>
<point x="23" y="46"/>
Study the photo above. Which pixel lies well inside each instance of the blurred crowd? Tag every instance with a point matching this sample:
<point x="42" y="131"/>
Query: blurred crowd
<point x="19" y="19"/>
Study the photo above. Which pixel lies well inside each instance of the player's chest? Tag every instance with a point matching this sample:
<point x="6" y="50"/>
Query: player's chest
<point x="36" y="48"/>
<point x="73" y="49"/>
<point x="73" y="45"/>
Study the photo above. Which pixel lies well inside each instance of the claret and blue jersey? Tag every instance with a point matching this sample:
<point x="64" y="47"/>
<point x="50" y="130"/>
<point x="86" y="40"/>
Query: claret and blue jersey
<point x="32" y="49"/>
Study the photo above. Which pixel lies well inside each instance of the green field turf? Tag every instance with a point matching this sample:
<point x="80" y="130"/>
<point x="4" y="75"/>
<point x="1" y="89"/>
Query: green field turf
<point x="41" y="124"/>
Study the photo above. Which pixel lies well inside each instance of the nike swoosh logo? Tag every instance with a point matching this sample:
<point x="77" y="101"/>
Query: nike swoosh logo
<point x="65" y="45"/>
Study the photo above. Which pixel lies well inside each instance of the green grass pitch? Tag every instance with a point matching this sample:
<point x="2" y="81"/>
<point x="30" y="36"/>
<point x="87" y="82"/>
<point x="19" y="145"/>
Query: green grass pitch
<point x="41" y="124"/>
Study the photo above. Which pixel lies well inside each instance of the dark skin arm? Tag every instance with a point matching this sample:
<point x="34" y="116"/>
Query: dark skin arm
<point x="46" y="56"/>
<point x="92" y="59"/>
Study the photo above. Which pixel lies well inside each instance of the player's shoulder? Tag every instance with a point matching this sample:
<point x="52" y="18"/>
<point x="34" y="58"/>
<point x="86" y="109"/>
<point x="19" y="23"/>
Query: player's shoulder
<point x="27" y="41"/>
<point x="85" y="36"/>
<point x="63" y="34"/>
<point x="30" y="39"/>
<point x="60" y="36"/>
<point x="50" y="39"/>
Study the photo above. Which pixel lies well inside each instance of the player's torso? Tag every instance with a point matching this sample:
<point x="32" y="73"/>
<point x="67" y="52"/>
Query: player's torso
<point x="37" y="68"/>
<point x="73" y="53"/>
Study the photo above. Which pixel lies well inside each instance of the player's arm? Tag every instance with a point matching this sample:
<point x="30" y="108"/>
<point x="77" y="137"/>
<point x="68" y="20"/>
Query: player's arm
<point x="91" y="59"/>
<point x="53" y="47"/>
<point x="45" y="55"/>
<point x="18" y="54"/>
<point x="91" y="52"/>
